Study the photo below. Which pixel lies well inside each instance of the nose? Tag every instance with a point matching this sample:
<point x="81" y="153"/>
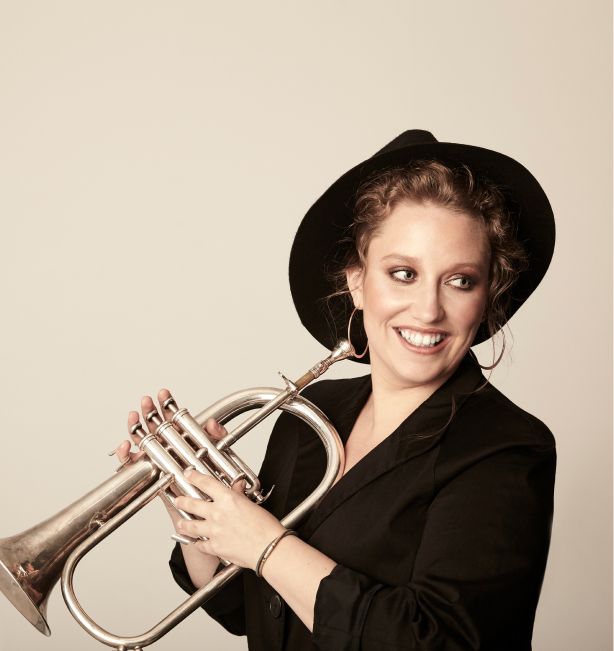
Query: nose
<point x="426" y="304"/>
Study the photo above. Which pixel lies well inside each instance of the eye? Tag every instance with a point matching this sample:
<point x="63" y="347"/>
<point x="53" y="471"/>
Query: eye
<point x="403" y="275"/>
<point x="462" y="283"/>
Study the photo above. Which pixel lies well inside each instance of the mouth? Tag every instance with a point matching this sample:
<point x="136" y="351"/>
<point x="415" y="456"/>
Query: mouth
<point x="423" y="340"/>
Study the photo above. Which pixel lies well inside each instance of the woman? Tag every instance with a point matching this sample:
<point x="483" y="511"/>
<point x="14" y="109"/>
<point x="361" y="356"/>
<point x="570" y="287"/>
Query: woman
<point x="437" y="534"/>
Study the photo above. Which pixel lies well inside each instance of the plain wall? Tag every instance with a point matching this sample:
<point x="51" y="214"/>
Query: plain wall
<point x="155" y="161"/>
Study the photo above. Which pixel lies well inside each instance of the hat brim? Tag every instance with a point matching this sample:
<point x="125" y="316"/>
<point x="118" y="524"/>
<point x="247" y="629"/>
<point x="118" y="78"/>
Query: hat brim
<point x="317" y="247"/>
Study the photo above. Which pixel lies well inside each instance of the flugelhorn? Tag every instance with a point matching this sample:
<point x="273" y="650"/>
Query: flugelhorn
<point x="32" y="562"/>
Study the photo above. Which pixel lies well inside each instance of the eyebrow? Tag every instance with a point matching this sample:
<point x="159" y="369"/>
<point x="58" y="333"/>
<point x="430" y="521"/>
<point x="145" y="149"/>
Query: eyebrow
<point x="399" y="257"/>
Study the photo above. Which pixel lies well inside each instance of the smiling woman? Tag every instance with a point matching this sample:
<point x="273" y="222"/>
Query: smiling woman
<point x="425" y="276"/>
<point x="436" y="534"/>
<point x="458" y="190"/>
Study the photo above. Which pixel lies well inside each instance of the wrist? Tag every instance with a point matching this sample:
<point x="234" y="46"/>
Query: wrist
<point x="259" y="543"/>
<point x="287" y="551"/>
<point x="270" y="548"/>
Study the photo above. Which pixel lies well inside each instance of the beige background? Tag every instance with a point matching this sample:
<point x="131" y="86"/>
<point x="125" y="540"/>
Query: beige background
<point x="155" y="160"/>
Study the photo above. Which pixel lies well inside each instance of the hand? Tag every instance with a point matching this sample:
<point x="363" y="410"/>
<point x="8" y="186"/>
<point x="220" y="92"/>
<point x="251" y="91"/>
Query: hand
<point x="236" y="528"/>
<point x="214" y="430"/>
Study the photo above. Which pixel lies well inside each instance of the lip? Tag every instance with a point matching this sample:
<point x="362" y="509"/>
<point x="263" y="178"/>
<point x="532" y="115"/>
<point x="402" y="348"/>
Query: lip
<point x="420" y="350"/>
<point x="422" y="331"/>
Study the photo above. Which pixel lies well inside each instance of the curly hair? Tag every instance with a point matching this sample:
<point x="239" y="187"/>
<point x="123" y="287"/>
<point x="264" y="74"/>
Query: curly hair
<point x="455" y="188"/>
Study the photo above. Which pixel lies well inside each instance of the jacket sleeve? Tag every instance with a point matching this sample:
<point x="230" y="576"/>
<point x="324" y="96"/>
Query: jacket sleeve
<point x="227" y="607"/>
<point x="477" y="573"/>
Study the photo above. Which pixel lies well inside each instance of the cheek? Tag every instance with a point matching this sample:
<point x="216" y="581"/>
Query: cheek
<point x="382" y="301"/>
<point x="468" y="315"/>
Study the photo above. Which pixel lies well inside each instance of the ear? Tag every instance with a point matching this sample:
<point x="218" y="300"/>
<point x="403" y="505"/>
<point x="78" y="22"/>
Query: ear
<point x="354" y="277"/>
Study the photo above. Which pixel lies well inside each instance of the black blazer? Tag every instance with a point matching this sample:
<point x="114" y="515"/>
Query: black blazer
<point x="441" y="532"/>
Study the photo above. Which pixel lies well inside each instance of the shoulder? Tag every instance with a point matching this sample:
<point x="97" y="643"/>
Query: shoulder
<point x="494" y="445"/>
<point x="488" y="423"/>
<point x="492" y="409"/>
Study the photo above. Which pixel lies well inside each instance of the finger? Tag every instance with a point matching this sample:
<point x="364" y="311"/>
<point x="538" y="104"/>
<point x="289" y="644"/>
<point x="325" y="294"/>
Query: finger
<point x="133" y="419"/>
<point x="215" y="430"/>
<point x="123" y="451"/>
<point x="208" y="485"/>
<point x="239" y="486"/>
<point x="194" y="528"/>
<point x="204" y="547"/>
<point x="147" y="405"/>
<point x="175" y="490"/>
<point x="163" y="395"/>
<point x="193" y="505"/>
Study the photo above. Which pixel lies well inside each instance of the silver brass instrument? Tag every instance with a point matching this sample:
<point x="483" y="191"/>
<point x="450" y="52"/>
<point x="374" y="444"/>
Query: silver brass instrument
<point x="32" y="562"/>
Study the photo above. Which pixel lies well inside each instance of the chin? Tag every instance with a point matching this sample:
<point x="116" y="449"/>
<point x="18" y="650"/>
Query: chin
<point x="417" y="375"/>
<point x="417" y="370"/>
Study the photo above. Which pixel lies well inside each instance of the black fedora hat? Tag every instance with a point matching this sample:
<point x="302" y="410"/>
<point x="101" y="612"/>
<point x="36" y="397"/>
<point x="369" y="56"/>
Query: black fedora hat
<point x="318" y="245"/>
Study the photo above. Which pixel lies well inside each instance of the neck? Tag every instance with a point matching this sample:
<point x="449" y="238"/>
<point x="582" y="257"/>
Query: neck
<point x="391" y="403"/>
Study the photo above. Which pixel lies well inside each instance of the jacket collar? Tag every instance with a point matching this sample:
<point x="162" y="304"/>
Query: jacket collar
<point x="419" y="432"/>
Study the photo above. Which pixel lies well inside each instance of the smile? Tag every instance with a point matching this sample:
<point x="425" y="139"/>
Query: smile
<point x="422" y="340"/>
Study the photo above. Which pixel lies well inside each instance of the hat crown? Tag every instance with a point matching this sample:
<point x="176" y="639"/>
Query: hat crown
<point x="408" y="139"/>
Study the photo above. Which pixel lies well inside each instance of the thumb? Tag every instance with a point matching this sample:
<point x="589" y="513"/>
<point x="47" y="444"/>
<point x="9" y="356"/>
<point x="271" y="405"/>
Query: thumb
<point x="215" y="430"/>
<point x="240" y="486"/>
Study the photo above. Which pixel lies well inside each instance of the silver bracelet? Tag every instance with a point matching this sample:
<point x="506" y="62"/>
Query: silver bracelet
<point x="269" y="550"/>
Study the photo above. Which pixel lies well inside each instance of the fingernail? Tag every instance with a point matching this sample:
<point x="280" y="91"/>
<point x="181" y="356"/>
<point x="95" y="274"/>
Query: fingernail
<point x="188" y="473"/>
<point x="180" y="524"/>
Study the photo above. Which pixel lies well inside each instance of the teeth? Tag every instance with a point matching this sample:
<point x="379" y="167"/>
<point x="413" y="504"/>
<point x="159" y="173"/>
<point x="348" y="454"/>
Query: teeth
<point x="423" y="341"/>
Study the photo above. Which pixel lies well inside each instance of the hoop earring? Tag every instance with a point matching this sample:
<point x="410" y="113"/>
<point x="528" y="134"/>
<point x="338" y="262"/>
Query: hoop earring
<point x="350" y="339"/>
<point x="492" y="366"/>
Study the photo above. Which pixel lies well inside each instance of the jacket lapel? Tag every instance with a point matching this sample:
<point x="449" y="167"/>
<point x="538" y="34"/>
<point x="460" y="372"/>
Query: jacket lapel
<point x="422" y="430"/>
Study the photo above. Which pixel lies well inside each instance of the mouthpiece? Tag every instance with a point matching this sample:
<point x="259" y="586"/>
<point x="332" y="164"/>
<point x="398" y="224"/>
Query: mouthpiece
<point x="342" y="350"/>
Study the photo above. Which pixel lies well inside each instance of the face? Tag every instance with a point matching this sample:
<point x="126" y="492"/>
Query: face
<point x="423" y="293"/>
